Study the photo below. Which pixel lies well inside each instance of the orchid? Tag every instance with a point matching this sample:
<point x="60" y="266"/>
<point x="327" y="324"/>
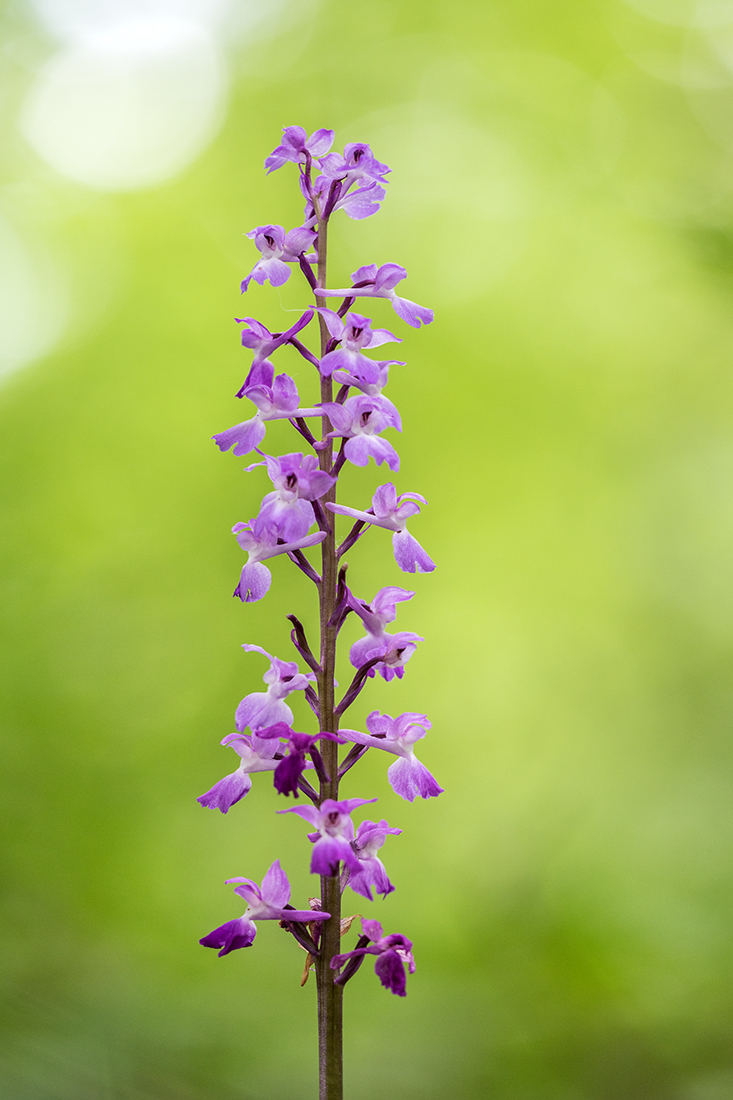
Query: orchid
<point x="297" y="512"/>
<point x="266" y="903"/>
<point x="392" y="952"/>
<point x="278" y="249"/>
<point x="389" y="511"/>
<point x="407" y="776"/>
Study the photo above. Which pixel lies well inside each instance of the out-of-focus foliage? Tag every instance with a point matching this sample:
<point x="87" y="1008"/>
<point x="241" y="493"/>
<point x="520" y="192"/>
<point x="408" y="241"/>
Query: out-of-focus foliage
<point x="562" y="196"/>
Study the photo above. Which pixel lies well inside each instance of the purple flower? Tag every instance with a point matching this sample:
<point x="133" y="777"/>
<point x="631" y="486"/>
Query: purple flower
<point x="332" y="840"/>
<point x="394" y="649"/>
<point x="262" y="342"/>
<point x="389" y="511"/>
<point x="297" y="481"/>
<point x="278" y="249"/>
<point x="360" y="203"/>
<point x="256" y="756"/>
<point x="275" y="398"/>
<point x="373" y="282"/>
<point x="259" y="545"/>
<point x="408" y="777"/>
<point x="370" y="836"/>
<point x="290" y="768"/>
<point x="297" y="148"/>
<point x="266" y="903"/>
<point x="261" y="709"/>
<point x="354" y="333"/>
<point x="360" y="420"/>
<point x="357" y="162"/>
<point x="392" y="952"/>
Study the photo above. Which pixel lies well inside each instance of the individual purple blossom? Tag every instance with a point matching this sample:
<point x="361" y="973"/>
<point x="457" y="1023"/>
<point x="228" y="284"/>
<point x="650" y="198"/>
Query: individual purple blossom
<point x="407" y="776"/>
<point x="289" y="769"/>
<point x="373" y="282"/>
<point x="278" y="249"/>
<point x="263" y="343"/>
<point x="359" y="421"/>
<point x="393" y="953"/>
<point x="261" y="709"/>
<point x="263" y="903"/>
<point x="370" y="836"/>
<point x="275" y="399"/>
<point x="354" y="333"/>
<point x="359" y="203"/>
<point x="297" y="482"/>
<point x="257" y="755"/>
<point x="394" y="649"/>
<point x="297" y="148"/>
<point x="265" y="542"/>
<point x="357" y="162"/>
<point x="392" y="512"/>
<point x="334" y="831"/>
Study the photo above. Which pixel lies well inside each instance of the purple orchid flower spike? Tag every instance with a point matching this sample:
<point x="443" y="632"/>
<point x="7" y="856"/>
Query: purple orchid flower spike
<point x="275" y="399"/>
<point x="407" y="776"/>
<point x="334" y="830"/>
<point x="394" y="649"/>
<point x="257" y="755"/>
<point x="256" y="578"/>
<point x="297" y="482"/>
<point x="359" y="421"/>
<point x="263" y="343"/>
<point x="289" y="769"/>
<point x="393" y="953"/>
<point x="358" y="162"/>
<point x="373" y="282"/>
<point x="392" y="512"/>
<point x="278" y="249"/>
<point x="265" y="903"/>
<point x="355" y="333"/>
<point x="370" y="836"/>
<point x="261" y="709"/>
<point x="298" y="148"/>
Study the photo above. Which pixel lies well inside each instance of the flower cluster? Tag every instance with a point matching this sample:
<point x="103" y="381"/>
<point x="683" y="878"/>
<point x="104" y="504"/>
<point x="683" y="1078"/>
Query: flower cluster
<point x="299" y="513"/>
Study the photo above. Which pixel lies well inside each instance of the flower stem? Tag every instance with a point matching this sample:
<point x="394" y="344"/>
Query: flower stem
<point x="330" y="995"/>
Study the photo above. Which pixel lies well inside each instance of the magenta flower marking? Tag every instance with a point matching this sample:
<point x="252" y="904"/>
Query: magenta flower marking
<point x="373" y="282"/>
<point x="297" y="148"/>
<point x="392" y="512"/>
<point x="265" y="708"/>
<point x="266" y="903"/>
<point x="408" y="777"/>
<point x="394" y="649"/>
<point x="359" y="421"/>
<point x="370" y="836"/>
<point x="334" y="831"/>
<point x="278" y="249"/>
<point x="393" y="953"/>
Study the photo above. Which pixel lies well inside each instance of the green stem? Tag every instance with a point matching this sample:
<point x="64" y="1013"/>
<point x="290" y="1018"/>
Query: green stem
<point x="330" y="996"/>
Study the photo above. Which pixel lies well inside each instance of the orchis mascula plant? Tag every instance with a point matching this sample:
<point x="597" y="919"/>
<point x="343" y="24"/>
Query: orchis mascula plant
<point x="303" y="497"/>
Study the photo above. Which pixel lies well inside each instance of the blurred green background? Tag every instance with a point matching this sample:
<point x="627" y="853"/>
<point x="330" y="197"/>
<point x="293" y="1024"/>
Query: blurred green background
<point x="562" y="195"/>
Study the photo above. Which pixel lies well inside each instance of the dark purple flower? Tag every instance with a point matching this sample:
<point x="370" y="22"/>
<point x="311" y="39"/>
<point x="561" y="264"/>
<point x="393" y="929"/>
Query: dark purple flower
<point x="370" y="836"/>
<point x="380" y="283"/>
<point x="360" y="420"/>
<point x="278" y="249"/>
<point x="354" y="333"/>
<point x="332" y="840"/>
<point x="267" y="903"/>
<point x="289" y="770"/>
<point x="261" y="709"/>
<point x="262" y="342"/>
<point x="394" y="649"/>
<point x="408" y="777"/>
<point x="256" y="578"/>
<point x="275" y="398"/>
<point x="392" y="512"/>
<point x="392" y="952"/>
<point x="295" y="146"/>
<point x="256" y="756"/>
